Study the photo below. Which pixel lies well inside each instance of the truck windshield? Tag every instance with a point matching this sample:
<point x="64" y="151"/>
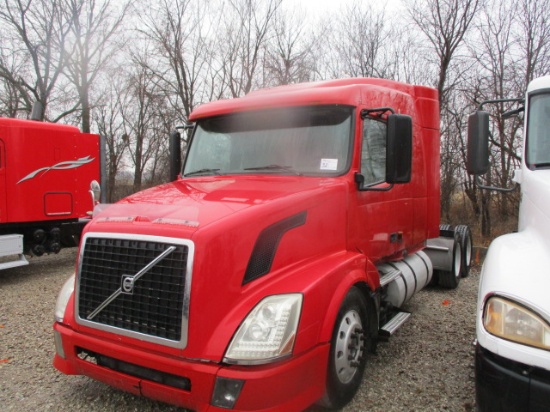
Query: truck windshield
<point x="538" y="132"/>
<point x="311" y="141"/>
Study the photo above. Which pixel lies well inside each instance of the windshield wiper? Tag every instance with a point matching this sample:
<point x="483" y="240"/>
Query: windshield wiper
<point x="542" y="165"/>
<point x="203" y="172"/>
<point x="275" y="167"/>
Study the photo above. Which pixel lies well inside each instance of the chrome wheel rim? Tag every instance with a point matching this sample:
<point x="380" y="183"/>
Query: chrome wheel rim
<point x="457" y="259"/>
<point x="349" y="346"/>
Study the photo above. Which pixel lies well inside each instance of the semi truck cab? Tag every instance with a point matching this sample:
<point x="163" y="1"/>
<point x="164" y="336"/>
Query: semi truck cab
<point x="513" y="311"/>
<point x="302" y="220"/>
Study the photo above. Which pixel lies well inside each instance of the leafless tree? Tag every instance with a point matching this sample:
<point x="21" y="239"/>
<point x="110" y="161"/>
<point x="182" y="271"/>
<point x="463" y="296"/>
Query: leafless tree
<point x="359" y="42"/>
<point x="290" y="53"/>
<point x="140" y="108"/>
<point x="513" y="47"/>
<point x="110" y="124"/>
<point x="533" y="37"/>
<point x="249" y="26"/>
<point x="40" y="28"/>
<point x="444" y="23"/>
<point x="11" y="98"/>
<point x="182" y="35"/>
<point x="94" y="26"/>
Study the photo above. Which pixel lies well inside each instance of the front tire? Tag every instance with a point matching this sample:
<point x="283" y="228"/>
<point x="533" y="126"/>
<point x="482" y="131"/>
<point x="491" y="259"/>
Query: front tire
<point x="348" y="351"/>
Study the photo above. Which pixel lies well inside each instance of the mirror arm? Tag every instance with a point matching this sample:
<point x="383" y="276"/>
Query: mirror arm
<point x="479" y="184"/>
<point x="359" y="179"/>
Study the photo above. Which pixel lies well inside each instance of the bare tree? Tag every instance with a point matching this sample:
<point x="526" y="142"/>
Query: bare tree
<point x="249" y="27"/>
<point x="143" y="101"/>
<point x="94" y="25"/>
<point x="362" y="35"/>
<point x="290" y="53"/>
<point x="181" y="37"/>
<point x="533" y="37"/>
<point x="41" y="28"/>
<point x="11" y="97"/>
<point x="512" y="48"/>
<point x="110" y="124"/>
<point x="445" y="23"/>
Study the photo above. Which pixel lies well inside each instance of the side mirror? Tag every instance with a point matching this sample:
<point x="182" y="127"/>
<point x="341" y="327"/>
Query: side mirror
<point x="175" y="155"/>
<point x="95" y="193"/>
<point x="477" y="156"/>
<point x="399" y="149"/>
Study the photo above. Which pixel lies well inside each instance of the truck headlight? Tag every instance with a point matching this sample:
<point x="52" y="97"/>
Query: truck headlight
<point x="268" y="332"/>
<point x="63" y="299"/>
<point x="514" y="322"/>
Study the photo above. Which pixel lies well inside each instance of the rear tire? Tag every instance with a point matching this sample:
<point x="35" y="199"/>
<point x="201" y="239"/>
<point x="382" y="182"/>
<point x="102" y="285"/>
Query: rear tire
<point x="348" y="351"/>
<point x="466" y="243"/>
<point x="451" y="279"/>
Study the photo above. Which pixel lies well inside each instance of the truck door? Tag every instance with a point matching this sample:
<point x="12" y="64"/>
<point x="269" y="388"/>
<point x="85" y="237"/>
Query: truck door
<point x="384" y="212"/>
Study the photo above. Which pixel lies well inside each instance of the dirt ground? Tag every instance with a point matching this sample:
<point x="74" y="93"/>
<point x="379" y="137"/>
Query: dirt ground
<point x="426" y="366"/>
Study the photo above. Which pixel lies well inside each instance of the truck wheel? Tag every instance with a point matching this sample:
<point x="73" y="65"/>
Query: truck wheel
<point x="466" y="243"/>
<point x="450" y="279"/>
<point x="348" y="351"/>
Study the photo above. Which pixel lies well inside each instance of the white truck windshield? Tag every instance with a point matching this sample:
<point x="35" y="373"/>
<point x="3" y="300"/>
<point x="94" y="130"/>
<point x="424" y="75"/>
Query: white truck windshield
<point x="538" y="132"/>
<point x="311" y="141"/>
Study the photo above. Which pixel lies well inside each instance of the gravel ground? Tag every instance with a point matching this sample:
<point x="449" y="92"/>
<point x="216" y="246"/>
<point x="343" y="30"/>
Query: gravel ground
<point x="426" y="366"/>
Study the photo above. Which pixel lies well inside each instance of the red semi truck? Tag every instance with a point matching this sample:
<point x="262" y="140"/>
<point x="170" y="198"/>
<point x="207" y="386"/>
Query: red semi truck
<point x="303" y="219"/>
<point x="45" y="175"/>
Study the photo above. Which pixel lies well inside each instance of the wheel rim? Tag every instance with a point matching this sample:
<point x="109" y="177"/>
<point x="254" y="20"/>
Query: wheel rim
<point x="349" y="346"/>
<point x="457" y="259"/>
<point x="468" y="251"/>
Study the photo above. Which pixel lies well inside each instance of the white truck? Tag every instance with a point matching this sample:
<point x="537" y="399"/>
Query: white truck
<point x="513" y="310"/>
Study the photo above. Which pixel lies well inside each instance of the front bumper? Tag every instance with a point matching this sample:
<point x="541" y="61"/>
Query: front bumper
<point x="290" y="385"/>
<point x="506" y="385"/>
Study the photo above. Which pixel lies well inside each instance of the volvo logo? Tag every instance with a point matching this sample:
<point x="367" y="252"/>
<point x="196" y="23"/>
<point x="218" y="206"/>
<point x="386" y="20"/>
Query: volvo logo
<point x="127" y="282"/>
<point x="127" y="285"/>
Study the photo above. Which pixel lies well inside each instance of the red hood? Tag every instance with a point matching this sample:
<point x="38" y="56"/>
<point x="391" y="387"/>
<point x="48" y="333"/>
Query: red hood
<point x="224" y="217"/>
<point x="195" y="203"/>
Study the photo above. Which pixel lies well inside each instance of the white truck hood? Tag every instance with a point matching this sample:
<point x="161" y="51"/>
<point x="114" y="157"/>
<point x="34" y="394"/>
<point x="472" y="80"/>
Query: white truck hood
<point x="517" y="266"/>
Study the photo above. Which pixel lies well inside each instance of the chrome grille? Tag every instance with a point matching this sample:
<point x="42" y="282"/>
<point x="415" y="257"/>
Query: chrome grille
<point x="157" y="304"/>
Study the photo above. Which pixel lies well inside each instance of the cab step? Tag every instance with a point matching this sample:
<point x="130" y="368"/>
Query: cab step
<point x="394" y="323"/>
<point x="11" y="246"/>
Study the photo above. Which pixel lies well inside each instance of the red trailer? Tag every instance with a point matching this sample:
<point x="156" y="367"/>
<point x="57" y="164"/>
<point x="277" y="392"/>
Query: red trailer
<point x="45" y="175"/>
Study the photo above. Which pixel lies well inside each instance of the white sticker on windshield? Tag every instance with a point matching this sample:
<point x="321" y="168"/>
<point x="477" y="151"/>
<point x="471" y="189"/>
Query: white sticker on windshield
<point x="329" y="164"/>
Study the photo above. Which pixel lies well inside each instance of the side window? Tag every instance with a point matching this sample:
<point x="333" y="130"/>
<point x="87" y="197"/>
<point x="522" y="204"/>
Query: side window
<point x="373" y="151"/>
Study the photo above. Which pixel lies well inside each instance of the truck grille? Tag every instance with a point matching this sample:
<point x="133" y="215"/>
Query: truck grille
<point x="153" y="305"/>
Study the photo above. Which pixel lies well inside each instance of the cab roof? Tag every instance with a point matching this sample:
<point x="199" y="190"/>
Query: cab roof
<point x="350" y="92"/>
